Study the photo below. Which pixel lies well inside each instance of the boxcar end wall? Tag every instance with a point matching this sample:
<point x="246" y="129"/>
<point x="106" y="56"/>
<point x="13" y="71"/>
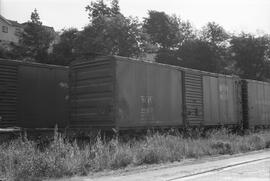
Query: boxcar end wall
<point x="33" y="95"/>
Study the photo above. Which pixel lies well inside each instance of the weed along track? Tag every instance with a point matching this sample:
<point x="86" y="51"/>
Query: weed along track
<point x="23" y="158"/>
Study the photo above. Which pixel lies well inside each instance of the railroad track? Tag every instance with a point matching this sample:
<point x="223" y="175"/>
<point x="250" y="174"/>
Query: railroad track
<point x="216" y="170"/>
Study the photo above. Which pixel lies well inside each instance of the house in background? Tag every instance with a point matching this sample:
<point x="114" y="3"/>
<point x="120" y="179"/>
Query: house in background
<point x="9" y="31"/>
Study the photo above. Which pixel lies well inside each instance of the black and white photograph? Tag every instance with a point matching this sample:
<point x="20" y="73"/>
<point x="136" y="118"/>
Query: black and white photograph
<point x="134" y="90"/>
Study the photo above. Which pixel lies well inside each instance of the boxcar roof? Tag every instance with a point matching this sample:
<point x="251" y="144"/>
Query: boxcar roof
<point x="19" y="62"/>
<point x="83" y="61"/>
<point x="174" y="67"/>
<point x="257" y="81"/>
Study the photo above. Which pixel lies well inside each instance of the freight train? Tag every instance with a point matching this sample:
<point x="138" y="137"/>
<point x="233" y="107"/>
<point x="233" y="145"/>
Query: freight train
<point x="112" y="92"/>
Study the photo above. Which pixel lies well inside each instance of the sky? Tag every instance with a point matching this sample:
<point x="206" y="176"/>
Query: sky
<point x="251" y="16"/>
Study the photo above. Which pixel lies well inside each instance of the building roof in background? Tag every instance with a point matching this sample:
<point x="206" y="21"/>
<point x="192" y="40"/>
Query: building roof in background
<point x="4" y="19"/>
<point x="15" y="23"/>
<point x="49" y="28"/>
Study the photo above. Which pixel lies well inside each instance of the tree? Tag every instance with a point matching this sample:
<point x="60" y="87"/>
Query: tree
<point x="111" y="35"/>
<point x="115" y="9"/>
<point x="251" y="56"/>
<point x="197" y="54"/>
<point x="214" y="34"/>
<point x="187" y="31"/>
<point x="35" y="18"/>
<point x="163" y="29"/>
<point x="63" y="51"/>
<point x="168" y="33"/>
<point x="35" y="40"/>
<point x="167" y="56"/>
<point x="218" y="41"/>
<point x="109" y="32"/>
<point x="99" y="8"/>
<point x="8" y="54"/>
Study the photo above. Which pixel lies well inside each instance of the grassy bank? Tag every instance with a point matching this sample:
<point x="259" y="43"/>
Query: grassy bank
<point x="23" y="160"/>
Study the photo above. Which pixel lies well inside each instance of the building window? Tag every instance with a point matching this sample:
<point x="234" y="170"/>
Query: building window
<point x="5" y="29"/>
<point x="17" y="31"/>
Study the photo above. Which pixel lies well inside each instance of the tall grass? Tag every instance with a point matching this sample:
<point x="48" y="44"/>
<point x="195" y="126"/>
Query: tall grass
<point x="22" y="159"/>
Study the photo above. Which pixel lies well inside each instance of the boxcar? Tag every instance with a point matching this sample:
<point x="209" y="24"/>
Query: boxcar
<point x="33" y="95"/>
<point x="257" y="103"/>
<point x="211" y="99"/>
<point x="118" y="92"/>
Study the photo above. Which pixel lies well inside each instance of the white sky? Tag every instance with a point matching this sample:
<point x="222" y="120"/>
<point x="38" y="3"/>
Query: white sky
<point x="234" y="15"/>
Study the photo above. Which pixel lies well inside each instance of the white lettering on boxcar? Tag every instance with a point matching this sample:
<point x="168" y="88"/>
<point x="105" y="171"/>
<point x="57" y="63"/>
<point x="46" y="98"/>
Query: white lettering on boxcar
<point x="147" y="108"/>
<point x="223" y="91"/>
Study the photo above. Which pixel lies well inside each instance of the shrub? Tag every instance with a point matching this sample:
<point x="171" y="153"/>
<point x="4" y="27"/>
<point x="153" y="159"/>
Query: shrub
<point x="222" y="147"/>
<point x="256" y="142"/>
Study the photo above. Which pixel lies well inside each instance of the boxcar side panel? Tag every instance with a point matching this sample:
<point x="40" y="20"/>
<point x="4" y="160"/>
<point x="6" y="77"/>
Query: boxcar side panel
<point x="267" y="104"/>
<point x="252" y="108"/>
<point x="148" y="95"/>
<point x="258" y="103"/>
<point x="261" y="104"/>
<point x="221" y="100"/>
<point x="211" y="97"/>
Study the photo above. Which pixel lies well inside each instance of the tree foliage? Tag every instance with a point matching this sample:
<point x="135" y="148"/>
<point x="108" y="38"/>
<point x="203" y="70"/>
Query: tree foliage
<point x="167" y="56"/>
<point x="179" y="44"/>
<point x="109" y="31"/>
<point x="163" y="29"/>
<point x="187" y="31"/>
<point x="35" y="19"/>
<point x="100" y="8"/>
<point x="251" y="56"/>
<point x="35" y="40"/>
<point x="214" y="34"/>
<point x="63" y="51"/>
<point x="197" y="54"/>
<point x="217" y="40"/>
<point x="111" y="35"/>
